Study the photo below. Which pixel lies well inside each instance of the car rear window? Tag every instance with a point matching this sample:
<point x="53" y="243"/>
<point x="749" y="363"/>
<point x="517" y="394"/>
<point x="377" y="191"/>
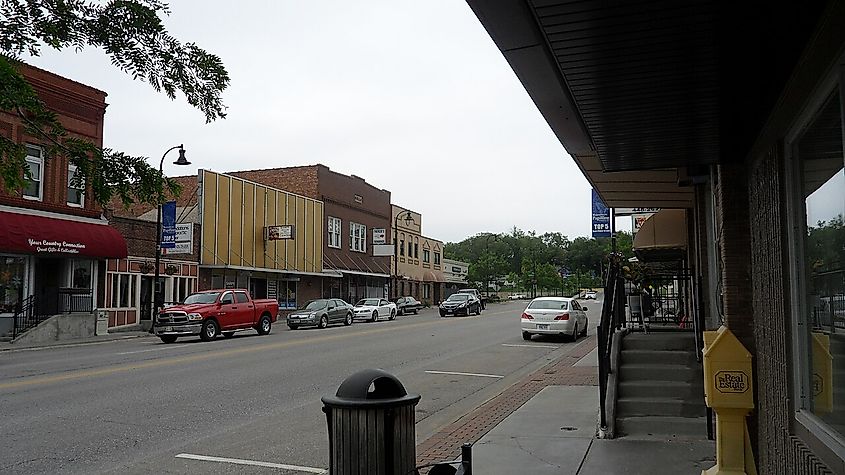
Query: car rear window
<point x="548" y="305"/>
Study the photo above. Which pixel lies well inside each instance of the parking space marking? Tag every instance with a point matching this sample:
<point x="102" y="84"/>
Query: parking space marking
<point x="254" y="463"/>
<point x="529" y="346"/>
<point x="456" y="373"/>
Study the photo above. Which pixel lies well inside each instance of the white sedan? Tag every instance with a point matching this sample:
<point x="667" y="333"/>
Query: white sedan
<point x="373" y="309"/>
<point x="554" y="316"/>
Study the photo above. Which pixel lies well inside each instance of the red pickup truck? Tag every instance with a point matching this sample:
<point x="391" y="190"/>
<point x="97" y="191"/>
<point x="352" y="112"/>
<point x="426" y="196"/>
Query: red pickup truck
<point x="214" y="312"/>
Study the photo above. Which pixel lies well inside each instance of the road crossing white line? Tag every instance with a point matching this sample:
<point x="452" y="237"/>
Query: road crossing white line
<point x="254" y="463"/>
<point x="456" y="373"/>
<point x="529" y="346"/>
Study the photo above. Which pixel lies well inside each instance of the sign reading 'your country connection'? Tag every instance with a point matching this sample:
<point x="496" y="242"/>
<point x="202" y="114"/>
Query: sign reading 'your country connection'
<point x="56" y="246"/>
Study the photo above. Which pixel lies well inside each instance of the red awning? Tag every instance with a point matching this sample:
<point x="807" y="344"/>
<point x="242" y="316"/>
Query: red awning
<point x="29" y="234"/>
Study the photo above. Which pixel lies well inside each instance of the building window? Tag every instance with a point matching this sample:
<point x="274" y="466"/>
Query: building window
<point x="13" y="270"/>
<point x="402" y="246"/>
<point x="357" y="237"/>
<point x="410" y="249"/>
<point x="334" y="226"/>
<point x="426" y="291"/>
<point x="436" y="258"/>
<point x="123" y="290"/>
<point x="34" y="188"/>
<point x="819" y="210"/>
<point x="182" y="287"/>
<point x="286" y="294"/>
<point x="426" y="255"/>
<point x="416" y="249"/>
<point x="75" y="188"/>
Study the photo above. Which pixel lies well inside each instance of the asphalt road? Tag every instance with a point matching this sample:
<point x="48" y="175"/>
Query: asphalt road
<point x="132" y="406"/>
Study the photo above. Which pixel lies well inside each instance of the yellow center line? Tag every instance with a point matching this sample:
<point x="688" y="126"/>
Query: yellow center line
<point x="91" y="373"/>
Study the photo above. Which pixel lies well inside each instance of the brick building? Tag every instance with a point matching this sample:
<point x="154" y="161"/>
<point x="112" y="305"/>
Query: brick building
<point x="419" y="270"/>
<point x="733" y="113"/>
<point x="53" y="238"/>
<point x="354" y="212"/>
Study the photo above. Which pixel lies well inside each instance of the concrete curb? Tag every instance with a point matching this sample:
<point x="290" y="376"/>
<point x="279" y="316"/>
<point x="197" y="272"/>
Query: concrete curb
<point x="11" y="347"/>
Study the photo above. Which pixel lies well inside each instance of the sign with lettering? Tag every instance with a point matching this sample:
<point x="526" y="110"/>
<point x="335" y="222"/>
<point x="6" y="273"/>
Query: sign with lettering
<point x="601" y="217"/>
<point x="51" y="247"/>
<point x="168" y="225"/>
<point x="184" y="240"/>
<point x="631" y="211"/>
<point x="379" y="236"/>
<point x="279" y="232"/>
<point x="734" y="382"/>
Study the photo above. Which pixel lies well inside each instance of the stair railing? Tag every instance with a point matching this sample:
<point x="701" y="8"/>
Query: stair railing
<point x="612" y="318"/>
<point x="24" y="316"/>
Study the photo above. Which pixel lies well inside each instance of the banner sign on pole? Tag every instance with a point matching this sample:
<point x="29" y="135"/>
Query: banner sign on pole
<point x="168" y="225"/>
<point x="601" y="217"/>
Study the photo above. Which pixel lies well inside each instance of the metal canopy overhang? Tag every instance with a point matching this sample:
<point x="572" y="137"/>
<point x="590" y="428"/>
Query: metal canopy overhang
<point x="630" y="89"/>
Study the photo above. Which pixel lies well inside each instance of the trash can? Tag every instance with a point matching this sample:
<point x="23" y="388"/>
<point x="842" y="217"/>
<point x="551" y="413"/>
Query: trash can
<point x="371" y="425"/>
<point x="102" y="327"/>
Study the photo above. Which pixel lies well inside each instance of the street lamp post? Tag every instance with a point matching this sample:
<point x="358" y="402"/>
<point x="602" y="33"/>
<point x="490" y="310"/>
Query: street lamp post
<point x="409" y="220"/>
<point x="157" y="290"/>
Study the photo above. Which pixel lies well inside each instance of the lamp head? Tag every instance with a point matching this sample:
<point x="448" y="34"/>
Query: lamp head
<point x="181" y="160"/>
<point x="409" y="220"/>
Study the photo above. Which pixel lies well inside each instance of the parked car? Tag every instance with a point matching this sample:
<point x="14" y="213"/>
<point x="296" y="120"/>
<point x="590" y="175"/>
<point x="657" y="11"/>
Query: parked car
<point x="214" y="312"/>
<point x="374" y="308"/>
<point x="321" y="313"/>
<point x="517" y="297"/>
<point x="554" y="316"/>
<point x="460" y="304"/>
<point x="590" y="295"/>
<point x="406" y="305"/>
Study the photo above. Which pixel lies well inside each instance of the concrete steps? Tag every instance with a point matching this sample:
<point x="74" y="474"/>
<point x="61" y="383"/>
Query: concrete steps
<point x="661" y="388"/>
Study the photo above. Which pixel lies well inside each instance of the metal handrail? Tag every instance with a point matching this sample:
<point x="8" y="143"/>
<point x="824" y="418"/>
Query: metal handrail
<point x="614" y="293"/>
<point x="23" y="320"/>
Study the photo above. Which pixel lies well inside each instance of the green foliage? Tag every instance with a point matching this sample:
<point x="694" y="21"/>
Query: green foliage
<point x="132" y="34"/>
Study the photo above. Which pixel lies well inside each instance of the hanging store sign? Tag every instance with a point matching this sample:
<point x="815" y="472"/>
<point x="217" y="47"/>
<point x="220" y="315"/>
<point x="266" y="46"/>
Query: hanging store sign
<point x="184" y="240"/>
<point x="601" y="217"/>
<point x="637" y="221"/>
<point x="279" y="232"/>
<point x="379" y="236"/>
<point x="51" y="247"/>
<point x="632" y="211"/>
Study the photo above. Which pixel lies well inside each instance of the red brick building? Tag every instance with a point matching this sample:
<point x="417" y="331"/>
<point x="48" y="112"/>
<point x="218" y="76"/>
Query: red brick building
<point x="354" y="209"/>
<point x="53" y="239"/>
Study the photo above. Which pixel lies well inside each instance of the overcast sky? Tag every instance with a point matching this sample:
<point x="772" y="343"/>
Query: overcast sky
<point x="413" y="96"/>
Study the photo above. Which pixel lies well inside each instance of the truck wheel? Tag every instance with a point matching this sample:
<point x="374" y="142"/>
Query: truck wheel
<point x="208" y="331"/>
<point x="264" y="325"/>
<point x="324" y="322"/>
<point x="228" y="334"/>
<point x="348" y="320"/>
<point x="392" y="314"/>
<point x="168" y="338"/>
<point x="375" y="316"/>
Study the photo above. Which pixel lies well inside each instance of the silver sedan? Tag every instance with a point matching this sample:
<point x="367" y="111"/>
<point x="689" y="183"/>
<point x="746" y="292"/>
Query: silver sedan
<point x="554" y="316"/>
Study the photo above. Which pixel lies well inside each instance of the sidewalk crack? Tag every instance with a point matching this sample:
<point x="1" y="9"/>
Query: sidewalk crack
<point x="529" y="452"/>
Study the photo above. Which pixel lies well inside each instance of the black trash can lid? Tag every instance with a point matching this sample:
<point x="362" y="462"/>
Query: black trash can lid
<point x="371" y="388"/>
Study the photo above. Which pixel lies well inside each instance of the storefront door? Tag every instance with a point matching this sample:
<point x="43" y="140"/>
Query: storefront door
<point x="146" y="298"/>
<point x="49" y="277"/>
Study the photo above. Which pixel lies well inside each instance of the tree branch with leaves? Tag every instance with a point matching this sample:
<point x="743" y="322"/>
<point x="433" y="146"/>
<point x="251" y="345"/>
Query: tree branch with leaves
<point x="132" y="34"/>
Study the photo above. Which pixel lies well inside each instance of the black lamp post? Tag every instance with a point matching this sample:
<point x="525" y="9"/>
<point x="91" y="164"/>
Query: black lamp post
<point x="409" y="220"/>
<point x="158" y="295"/>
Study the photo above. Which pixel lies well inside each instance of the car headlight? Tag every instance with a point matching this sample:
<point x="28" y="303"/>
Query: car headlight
<point x="194" y="316"/>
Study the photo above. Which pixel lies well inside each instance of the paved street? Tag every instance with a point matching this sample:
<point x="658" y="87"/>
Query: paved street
<point x="133" y="406"/>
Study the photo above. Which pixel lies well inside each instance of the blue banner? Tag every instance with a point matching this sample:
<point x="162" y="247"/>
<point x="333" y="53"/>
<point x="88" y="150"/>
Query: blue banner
<point x="601" y="217"/>
<point x="168" y="225"/>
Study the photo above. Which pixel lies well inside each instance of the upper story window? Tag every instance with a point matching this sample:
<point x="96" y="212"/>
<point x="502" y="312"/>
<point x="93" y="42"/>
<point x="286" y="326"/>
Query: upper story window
<point x="410" y="249"/>
<point x="436" y="257"/>
<point x="75" y="188"/>
<point x="426" y="255"/>
<point x="416" y="250"/>
<point x="334" y="231"/>
<point x="402" y="246"/>
<point x="34" y="188"/>
<point x="357" y="237"/>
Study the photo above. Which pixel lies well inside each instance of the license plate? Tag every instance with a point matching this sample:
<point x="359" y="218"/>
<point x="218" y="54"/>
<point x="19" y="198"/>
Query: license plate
<point x="449" y="312"/>
<point x="168" y="329"/>
<point x="542" y="327"/>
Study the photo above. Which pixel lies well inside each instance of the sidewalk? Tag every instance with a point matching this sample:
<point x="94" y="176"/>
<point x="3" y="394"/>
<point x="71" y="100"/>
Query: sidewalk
<point x="123" y="335"/>
<point x="546" y="424"/>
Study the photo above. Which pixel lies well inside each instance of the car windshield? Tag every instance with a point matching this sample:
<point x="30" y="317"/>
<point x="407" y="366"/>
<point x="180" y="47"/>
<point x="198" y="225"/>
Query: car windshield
<point x="314" y="305"/>
<point x="370" y="302"/>
<point x="548" y="305"/>
<point x="204" y="297"/>
<point x="458" y="298"/>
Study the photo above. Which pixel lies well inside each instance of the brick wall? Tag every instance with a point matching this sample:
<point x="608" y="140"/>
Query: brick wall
<point x="300" y="180"/>
<point x="187" y="197"/>
<point x="140" y="237"/>
<point x="735" y="246"/>
<point x="777" y="451"/>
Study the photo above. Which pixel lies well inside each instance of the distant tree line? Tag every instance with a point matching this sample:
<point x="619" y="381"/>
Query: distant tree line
<point x="526" y="261"/>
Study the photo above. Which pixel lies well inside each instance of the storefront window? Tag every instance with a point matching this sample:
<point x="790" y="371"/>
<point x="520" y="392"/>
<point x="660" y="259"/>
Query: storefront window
<point x="819" y="153"/>
<point x="287" y="294"/>
<point x="12" y="278"/>
<point x="80" y="274"/>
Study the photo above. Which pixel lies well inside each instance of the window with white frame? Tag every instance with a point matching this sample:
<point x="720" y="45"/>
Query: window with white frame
<point x="75" y="187"/>
<point x="182" y="287"/>
<point x="818" y="216"/>
<point x="334" y="231"/>
<point x="357" y="237"/>
<point x="122" y="290"/>
<point x="34" y="188"/>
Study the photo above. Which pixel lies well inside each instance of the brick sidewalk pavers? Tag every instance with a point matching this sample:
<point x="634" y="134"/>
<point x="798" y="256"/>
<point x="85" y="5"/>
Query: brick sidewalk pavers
<point x="446" y="443"/>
